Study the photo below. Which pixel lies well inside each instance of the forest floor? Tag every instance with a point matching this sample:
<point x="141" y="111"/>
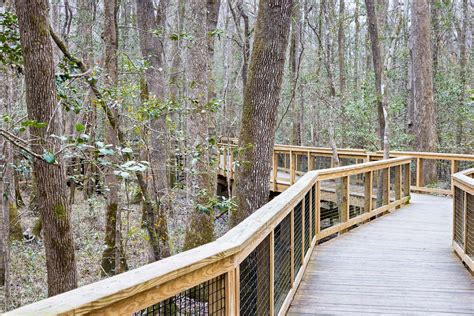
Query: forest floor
<point x="28" y="281"/>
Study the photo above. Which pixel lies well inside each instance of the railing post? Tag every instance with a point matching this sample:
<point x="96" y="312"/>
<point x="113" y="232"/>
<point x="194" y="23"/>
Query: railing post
<point x="292" y="247"/>
<point x="454" y="169"/>
<point x="419" y="172"/>
<point x="398" y="184"/>
<point x="272" y="272"/>
<point x="231" y="289"/>
<point x="368" y="191"/>
<point x="345" y="200"/>
<point x="465" y="222"/>
<point x="407" y="178"/>
<point x="310" y="162"/>
<point x="303" y="223"/>
<point x="317" y="206"/>
<point x="275" y="171"/>
<point x="292" y="168"/>
<point x="224" y="166"/>
<point x="386" y="186"/>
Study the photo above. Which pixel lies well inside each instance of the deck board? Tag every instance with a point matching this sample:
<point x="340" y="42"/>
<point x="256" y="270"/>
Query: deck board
<point x="401" y="263"/>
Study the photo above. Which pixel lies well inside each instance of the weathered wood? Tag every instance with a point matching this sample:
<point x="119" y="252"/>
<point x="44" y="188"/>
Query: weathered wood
<point x="388" y="268"/>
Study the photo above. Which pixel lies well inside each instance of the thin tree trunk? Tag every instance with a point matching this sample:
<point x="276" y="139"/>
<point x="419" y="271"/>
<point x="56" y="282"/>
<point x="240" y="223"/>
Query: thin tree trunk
<point x="152" y="50"/>
<point x="51" y="179"/>
<point x="113" y="260"/>
<point x="199" y="178"/>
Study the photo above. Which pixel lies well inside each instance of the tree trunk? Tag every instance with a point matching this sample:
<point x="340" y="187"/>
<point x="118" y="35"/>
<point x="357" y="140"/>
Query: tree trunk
<point x="152" y="50"/>
<point x="113" y="260"/>
<point x="261" y="101"/>
<point x="199" y="177"/>
<point x="41" y="103"/>
<point x="424" y="111"/>
<point x="377" y="60"/>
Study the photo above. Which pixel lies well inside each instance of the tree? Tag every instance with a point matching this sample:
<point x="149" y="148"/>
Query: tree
<point x="50" y="176"/>
<point x="151" y="47"/>
<point x="424" y="111"/>
<point x="199" y="180"/>
<point x="377" y="59"/>
<point x="261" y="100"/>
<point x="113" y="260"/>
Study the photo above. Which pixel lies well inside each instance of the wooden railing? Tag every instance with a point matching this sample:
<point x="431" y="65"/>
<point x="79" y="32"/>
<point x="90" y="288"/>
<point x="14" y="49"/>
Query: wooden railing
<point x="463" y="221"/>
<point x="294" y="161"/>
<point x="256" y="267"/>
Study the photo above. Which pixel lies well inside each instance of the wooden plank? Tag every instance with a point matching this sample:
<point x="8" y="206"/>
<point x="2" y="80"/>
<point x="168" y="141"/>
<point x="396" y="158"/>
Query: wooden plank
<point x="396" y="264"/>
<point x="231" y="293"/>
<point x="368" y="178"/>
<point x="419" y="172"/>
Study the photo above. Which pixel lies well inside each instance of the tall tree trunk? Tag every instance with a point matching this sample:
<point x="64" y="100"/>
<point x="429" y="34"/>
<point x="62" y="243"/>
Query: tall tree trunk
<point x="261" y="101"/>
<point x="51" y="179"/>
<point x="340" y="48"/>
<point x="295" y="43"/>
<point x="377" y="60"/>
<point x="199" y="178"/>
<point x="113" y="260"/>
<point x="462" y="71"/>
<point x="424" y="111"/>
<point x="152" y="50"/>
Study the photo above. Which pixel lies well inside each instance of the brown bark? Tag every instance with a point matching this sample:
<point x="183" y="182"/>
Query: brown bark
<point x="152" y="50"/>
<point x="199" y="179"/>
<point x="295" y="43"/>
<point x="424" y="111"/>
<point x="377" y="60"/>
<point x="113" y="260"/>
<point x="261" y="100"/>
<point x="41" y="103"/>
<point x="340" y="48"/>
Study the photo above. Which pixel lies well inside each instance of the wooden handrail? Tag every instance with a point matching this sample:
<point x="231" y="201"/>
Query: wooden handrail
<point x="463" y="216"/>
<point x="157" y="282"/>
<point x="360" y="154"/>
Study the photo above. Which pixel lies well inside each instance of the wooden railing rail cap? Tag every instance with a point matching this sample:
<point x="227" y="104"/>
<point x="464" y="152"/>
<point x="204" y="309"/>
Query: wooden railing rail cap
<point x="465" y="180"/>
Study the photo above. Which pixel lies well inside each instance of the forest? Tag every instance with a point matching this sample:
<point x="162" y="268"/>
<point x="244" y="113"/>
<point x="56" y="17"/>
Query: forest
<point x="112" y="112"/>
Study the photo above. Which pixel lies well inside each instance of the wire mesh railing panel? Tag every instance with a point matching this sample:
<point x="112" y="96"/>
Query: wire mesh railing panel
<point x="307" y="223"/>
<point x="207" y="298"/>
<point x="377" y="189"/>
<point x="443" y="175"/>
<point x="282" y="262"/>
<point x="255" y="281"/>
<point x="405" y="188"/>
<point x="322" y="162"/>
<point x="298" y="236"/>
<point x="470" y="226"/>
<point x="459" y="216"/>
<point x="356" y="195"/>
<point x="302" y="163"/>
<point x="413" y="167"/>
<point x="347" y="161"/>
<point x="393" y="178"/>
<point x="329" y="210"/>
<point x="313" y="209"/>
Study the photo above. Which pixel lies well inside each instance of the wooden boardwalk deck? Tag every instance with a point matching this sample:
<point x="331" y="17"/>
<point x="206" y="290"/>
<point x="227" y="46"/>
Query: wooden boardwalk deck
<point x="399" y="264"/>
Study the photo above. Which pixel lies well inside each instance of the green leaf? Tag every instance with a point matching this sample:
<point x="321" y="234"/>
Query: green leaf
<point x="49" y="157"/>
<point x="106" y="151"/>
<point x="80" y="127"/>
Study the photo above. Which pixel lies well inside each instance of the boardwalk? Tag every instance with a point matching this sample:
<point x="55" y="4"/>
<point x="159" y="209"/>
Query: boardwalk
<point x="402" y="263"/>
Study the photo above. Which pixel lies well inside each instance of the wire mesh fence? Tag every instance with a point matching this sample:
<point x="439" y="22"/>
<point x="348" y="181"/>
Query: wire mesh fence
<point x="282" y="250"/>
<point x="470" y="226"/>
<point x="255" y="281"/>
<point x="307" y="222"/>
<point x="298" y="237"/>
<point x="313" y="209"/>
<point x="207" y="298"/>
<point x="459" y="216"/>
